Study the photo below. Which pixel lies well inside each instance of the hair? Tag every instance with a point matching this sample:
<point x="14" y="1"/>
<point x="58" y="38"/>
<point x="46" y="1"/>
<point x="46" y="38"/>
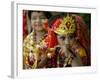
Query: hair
<point x="46" y="13"/>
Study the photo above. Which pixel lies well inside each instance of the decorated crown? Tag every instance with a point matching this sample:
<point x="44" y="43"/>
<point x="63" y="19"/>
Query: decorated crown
<point x="67" y="26"/>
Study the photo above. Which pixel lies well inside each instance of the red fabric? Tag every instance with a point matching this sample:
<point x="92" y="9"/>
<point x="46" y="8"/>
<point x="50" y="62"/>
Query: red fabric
<point x="25" y="29"/>
<point x="51" y="39"/>
<point x="56" y="24"/>
<point x="83" y="35"/>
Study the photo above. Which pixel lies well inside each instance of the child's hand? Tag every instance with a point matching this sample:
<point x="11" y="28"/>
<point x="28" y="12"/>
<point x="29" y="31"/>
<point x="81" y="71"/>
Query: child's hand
<point x="62" y="50"/>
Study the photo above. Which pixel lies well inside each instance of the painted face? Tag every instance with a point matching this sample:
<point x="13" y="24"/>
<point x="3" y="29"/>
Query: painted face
<point x="37" y="20"/>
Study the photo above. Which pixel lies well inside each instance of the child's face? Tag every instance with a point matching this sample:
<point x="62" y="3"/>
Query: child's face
<point x="37" y="20"/>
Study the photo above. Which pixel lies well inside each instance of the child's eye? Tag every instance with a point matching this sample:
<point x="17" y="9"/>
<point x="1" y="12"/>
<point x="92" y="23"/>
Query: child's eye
<point x="42" y="17"/>
<point x="62" y="37"/>
<point x="33" y="18"/>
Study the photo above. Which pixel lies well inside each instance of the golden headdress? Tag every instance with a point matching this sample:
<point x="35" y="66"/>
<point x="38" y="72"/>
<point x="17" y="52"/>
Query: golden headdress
<point x="67" y="26"/>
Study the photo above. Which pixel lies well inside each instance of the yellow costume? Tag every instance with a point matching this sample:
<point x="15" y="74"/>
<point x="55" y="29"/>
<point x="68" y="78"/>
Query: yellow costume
<point x="30" y="49"/>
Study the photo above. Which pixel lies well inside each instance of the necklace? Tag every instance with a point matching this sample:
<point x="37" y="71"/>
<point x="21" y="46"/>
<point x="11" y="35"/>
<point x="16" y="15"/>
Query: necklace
<point x="37" y="39"/>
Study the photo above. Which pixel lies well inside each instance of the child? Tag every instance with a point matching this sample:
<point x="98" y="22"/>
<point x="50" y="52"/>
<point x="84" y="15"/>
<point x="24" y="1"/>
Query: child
<point x="30" y="51"/>
<point x="70" y="50"/>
